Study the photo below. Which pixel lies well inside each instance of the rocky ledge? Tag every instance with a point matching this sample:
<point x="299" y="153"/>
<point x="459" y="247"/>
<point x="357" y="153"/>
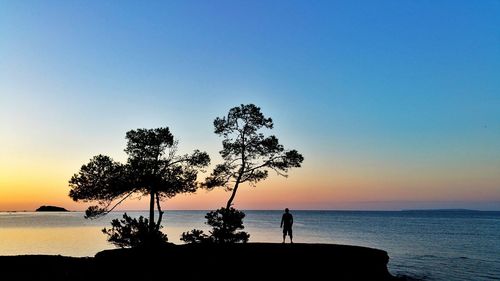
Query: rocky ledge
<point x="251" y="261"/>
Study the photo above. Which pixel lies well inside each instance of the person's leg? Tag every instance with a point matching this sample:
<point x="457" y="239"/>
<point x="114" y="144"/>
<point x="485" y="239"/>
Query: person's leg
<point x="284" y="235"/>
<point x="291" y="235"/>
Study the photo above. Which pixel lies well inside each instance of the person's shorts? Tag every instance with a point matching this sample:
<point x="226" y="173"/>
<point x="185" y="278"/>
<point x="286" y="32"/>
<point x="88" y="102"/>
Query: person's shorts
<point x="287" y="230"/>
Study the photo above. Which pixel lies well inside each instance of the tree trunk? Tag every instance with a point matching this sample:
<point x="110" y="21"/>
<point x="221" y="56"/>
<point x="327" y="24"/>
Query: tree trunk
<point x="230" y="201"/>
<point x="152" y="211"/>
<point x="236" y="185"/>
<point x="160" y="212"/>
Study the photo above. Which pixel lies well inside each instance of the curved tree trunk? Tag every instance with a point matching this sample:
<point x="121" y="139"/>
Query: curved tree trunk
<point x="236" y="185"/>
<point x="230" y="201"/>
<point x="240" y="173"/>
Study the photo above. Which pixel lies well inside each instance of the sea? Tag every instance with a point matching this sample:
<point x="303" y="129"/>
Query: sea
<point x="442" y="245"/>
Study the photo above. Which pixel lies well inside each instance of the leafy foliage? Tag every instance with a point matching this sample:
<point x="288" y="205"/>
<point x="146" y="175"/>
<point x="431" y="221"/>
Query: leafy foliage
<point x="225" y="224"/>
<point x="101" y="179"/>
<point x="132" y="232"/>
<point x="195" y="236"/>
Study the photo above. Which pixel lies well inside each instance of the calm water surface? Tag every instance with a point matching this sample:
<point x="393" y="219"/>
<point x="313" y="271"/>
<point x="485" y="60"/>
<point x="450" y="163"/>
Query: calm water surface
<point x="430" y="245"/>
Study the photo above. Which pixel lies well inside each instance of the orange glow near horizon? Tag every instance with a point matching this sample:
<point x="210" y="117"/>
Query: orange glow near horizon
<point x="303" y="189"/>
<point x="31" y="179"/>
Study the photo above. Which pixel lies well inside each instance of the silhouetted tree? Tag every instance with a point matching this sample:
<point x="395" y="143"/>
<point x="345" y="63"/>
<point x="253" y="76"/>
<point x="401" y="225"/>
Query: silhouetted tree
<point x="248" y="156"/>
<point x="153" y="169"/>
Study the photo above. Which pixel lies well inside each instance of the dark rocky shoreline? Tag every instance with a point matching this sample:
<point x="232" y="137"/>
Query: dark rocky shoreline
<point x="251" y="261"/>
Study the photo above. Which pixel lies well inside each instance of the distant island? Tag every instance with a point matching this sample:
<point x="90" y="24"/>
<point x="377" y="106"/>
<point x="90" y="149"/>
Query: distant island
<point x="51" y="209"/>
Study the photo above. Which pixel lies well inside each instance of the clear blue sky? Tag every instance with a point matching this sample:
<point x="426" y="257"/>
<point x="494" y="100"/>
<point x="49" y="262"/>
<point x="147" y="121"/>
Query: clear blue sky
<point x="389" y="101"/>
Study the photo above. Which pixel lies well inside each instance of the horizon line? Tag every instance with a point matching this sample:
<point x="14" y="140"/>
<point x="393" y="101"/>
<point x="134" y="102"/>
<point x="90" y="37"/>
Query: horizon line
<point x="300" y="209"/>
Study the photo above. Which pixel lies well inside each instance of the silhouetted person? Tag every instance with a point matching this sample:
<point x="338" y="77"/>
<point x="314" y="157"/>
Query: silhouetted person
<point x="286" y="224"/>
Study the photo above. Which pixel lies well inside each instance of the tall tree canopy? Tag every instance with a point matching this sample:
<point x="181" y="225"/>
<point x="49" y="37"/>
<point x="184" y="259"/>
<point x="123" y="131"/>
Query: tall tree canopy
<point x="153" y="169"/>
<point x="248" y="154"/>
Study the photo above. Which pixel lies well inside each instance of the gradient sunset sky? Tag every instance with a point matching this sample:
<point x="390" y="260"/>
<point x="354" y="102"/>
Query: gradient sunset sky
<point x="394" y="104"/>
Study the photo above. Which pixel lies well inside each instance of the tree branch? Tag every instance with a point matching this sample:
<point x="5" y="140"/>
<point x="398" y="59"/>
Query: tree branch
<point x="107" y="211"/>
<point x="279" y="173"/>
<point x="266" y="163"/>
<point x="173" y="163"/>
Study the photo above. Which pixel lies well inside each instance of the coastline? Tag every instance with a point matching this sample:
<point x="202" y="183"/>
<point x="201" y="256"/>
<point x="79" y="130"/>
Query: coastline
<point x="254" y="261"/>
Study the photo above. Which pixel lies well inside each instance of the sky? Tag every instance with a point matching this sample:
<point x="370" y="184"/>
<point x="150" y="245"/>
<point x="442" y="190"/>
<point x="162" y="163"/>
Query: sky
<point x="393" y="104"/>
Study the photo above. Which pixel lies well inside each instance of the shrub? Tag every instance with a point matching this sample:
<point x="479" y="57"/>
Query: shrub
<point x="195" y="236"/>
<point x="134" y="233"/>
<point x="225" y="224"/>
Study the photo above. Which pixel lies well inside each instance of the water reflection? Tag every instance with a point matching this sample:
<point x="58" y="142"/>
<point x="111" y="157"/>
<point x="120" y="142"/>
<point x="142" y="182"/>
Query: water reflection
<point x="69" y="241"/>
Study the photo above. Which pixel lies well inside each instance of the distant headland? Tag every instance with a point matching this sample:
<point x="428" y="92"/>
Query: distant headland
<point x="440" y="210"/>
<point x="51" y="209"/>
